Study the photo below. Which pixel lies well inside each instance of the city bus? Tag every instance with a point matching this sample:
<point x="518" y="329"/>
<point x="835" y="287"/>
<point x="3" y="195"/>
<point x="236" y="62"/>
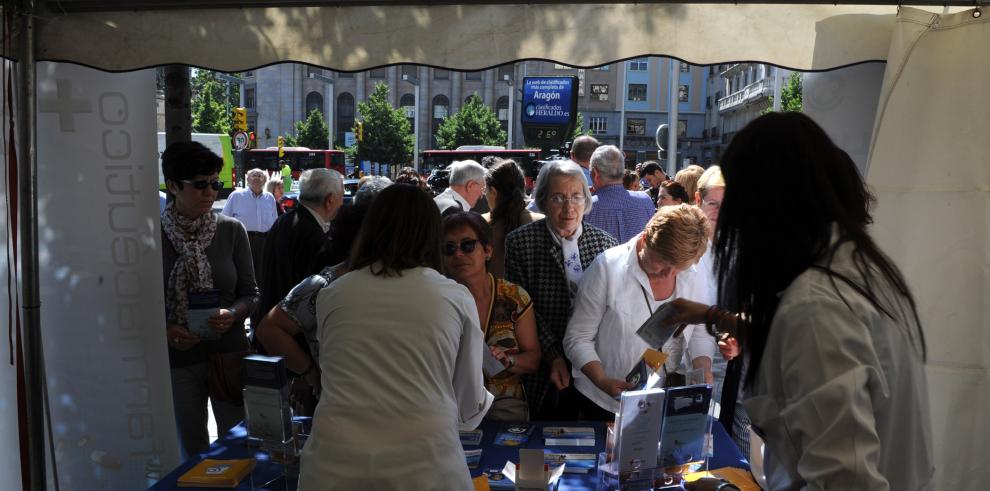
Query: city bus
<point x="526" y="158"/>
<point x="217" y="143"/>
<point x="299" y="158"/>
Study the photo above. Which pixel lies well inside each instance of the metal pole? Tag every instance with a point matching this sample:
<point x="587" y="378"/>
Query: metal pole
<point x="240" y="102"/>
<point x="512" y="95"/>
<point x="622" y="108"/>
<point x="778" y="82"/>
<point x="27" y="162"/>
<point x="416" y="128"/>
<point x="673" y="92"/>
<point x="330" y="115"/>
<point x="178" y="111"/>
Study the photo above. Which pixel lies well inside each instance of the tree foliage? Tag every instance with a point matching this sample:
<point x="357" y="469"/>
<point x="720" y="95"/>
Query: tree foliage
<point x="474" y="124"/>
<point x="579" y="129"/>
<point x="387" y="136"/>
<point x="312" y="132"/>
<point x="791" y="95"/>
<point x="210" y="104"/>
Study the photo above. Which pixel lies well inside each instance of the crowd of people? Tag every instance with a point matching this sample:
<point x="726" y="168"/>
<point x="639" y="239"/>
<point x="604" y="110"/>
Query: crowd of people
<point x="384" y="308"/>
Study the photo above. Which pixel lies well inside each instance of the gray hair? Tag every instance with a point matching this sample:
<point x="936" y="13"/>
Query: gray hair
<point x="554" y="168"/>
<point x="316" y="184"/>
<point x="609" y="161"/>
<point x="465" y="171"/>
<point x="270" y="185"/>
<point x="253" y="172"/>
<point x="367" y="192"/>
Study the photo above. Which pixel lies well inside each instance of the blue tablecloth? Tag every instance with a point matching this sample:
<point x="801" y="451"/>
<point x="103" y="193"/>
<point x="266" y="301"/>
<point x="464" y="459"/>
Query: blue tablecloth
<point x="268" y="475"/>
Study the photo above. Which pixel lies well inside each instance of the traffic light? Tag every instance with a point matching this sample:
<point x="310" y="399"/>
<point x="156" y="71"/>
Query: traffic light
<point x="359" y="130"/>
<point x="252" y="140"/>
<point x="281" y="144"/>
<point x="240" y="119"/>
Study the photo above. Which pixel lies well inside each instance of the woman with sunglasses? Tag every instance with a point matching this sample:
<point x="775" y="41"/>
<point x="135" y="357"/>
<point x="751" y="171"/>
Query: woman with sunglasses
<point x="504" y="309"/>
<point x="205" y="255"/>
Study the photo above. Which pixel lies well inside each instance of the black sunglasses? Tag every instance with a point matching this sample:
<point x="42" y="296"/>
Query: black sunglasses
<point x="466" y="246"/>
<point x="203" y="184"/>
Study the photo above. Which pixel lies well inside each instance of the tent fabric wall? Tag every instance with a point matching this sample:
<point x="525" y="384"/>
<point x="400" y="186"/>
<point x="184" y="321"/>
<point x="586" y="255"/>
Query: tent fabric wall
<point x="470" y="36"/>
<point x="929" y="167"/>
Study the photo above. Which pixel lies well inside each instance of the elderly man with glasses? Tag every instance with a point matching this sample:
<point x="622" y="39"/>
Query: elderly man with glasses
<point x="256" y="209"/>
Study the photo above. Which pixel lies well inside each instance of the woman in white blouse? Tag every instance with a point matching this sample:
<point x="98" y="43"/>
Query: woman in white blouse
<point x="621" y="289"/>
<point x="400" y="359"/>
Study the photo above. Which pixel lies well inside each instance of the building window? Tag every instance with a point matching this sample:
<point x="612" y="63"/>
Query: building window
<point x="603" y="68"/>
<point x="505" y="72"/>
<point x="345" y="115"/>
<point x="639" y="65"/>
<point x="598" y="125"/>
<point x="473" y="75"/>
<point x="440" y="107"/>
<point x="599" y="92"/>
<point x="248" y="97"/>
<point x="681" y="128"/>
<point x="558" y="66"/>
<point x="635" y="126"/>
<point x="410" y="71"/>
<point x="249" y="73"/>
<point x="314" y="100"/>
<point x="439" y="74"/>
<point x="502" y="110"/>
<point x="408" y="104"/>
<point x="378" y="73"/>
<point x="637" y="92"/>
<point x="682" y="93"/>
<point x="345" y="74"/>
<point x="685" y="67"/>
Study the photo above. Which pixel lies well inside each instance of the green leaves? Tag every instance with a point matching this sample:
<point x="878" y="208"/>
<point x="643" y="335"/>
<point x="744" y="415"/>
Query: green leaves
<point x="474" y="124"/>
<point x="387" y="135"/>
<point x="210" y="105"/>
<point x="311" y="133"/>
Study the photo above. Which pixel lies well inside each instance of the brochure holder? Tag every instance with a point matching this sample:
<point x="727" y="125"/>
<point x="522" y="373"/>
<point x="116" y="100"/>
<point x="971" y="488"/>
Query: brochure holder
<point x="685" y="440"/>
<point x="532" y="473"/>
<point x="267" y="412"/>
<point x="635" y="452"/>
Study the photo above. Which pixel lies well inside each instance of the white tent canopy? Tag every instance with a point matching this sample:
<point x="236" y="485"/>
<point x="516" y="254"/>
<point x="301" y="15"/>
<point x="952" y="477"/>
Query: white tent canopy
<point x="468" y="37"/>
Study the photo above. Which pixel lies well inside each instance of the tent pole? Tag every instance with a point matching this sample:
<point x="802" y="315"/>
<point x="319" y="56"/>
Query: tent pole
<point x="178" y="111"/>
<point x="27" y="162"/>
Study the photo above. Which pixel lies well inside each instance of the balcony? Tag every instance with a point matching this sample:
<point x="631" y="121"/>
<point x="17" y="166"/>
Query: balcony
<point x="750" y="93"/>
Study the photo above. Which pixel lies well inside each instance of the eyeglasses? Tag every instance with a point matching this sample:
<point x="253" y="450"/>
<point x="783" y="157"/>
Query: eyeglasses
<point x="574" y="199"/>
<point x="203" y="184"/>
<point x="466" y="246"/>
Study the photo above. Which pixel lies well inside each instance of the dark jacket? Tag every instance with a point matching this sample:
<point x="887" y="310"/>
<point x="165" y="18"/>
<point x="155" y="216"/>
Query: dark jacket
<point x="535" y="261"/>
<point x="296" y="247"/>
<point x="447" y="204"/>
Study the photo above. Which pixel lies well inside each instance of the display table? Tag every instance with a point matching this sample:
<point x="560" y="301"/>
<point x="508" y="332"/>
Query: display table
<point x="267" y="475"/>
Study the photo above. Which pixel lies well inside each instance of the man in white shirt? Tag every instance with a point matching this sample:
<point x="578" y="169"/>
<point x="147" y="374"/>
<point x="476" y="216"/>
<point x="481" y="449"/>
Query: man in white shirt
<point x="467" y="186"/>
<point x="621" y="289"/>
<point x="255" y="208"/>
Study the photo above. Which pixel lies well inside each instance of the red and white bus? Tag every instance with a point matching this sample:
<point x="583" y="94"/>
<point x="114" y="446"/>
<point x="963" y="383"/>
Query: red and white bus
<point x="299" y="158"/>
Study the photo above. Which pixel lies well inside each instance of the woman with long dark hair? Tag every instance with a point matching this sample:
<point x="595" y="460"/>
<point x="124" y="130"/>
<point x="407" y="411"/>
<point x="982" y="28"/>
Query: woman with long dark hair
<point x="829" y="332"/>
<point x="507" y="197"/>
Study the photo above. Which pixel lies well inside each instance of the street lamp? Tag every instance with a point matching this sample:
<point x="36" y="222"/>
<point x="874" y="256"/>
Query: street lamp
<point x="230" y="79"/>
<point x="415" y="82"/>
<point x="329" y="97"/>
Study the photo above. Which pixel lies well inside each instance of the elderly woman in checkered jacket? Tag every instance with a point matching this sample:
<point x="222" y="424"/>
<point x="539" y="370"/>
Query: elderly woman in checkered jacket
<point x="547" y="258"/>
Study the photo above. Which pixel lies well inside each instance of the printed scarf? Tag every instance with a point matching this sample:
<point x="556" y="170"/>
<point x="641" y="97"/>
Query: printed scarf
<point x="192" y="270"/>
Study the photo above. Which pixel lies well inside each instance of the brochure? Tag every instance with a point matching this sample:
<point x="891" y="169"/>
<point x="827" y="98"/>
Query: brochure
<point x="497" y="480"/>
<point x="202" y="306"/>
<point x="472" y="437"/>
<point x="211" y="473"/>
<point x="515" y="435"/>
<point x="489" y="364"/>
<point x="646" y="373"/>
<point x="653" y="331"/>
<point x="473" y="458"/>
<point x="639" y="423"/>
<point x="574" y="463"/>
<point x="569" y="436"/>
<point x="685" y="425"/>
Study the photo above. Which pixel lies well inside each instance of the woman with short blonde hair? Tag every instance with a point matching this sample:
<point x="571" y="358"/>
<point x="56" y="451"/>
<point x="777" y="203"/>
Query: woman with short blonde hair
<point x="688" y="177"/>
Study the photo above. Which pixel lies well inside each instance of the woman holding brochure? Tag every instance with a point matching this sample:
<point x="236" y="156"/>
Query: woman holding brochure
<point x="833" y="351"/>
<point x="621" y="290"/>
<point x="400" y="357"/>
<point x="504" y="308"/>
<point x="207" y="261"/>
